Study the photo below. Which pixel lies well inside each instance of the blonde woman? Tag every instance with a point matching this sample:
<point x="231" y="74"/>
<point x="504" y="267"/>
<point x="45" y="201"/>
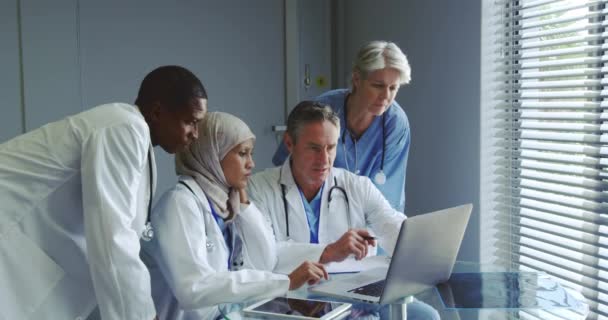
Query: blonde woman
<point x="375" y="137"/>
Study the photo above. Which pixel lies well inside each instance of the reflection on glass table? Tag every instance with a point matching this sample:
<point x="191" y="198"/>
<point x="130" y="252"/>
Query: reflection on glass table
<point x="504" y="290"/>
<point x="283" y="307"/>
<point x="477" y="291"/>
<point x="496" y="293"/>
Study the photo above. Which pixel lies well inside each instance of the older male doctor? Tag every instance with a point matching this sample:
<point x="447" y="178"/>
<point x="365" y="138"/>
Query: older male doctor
<point x="321" y="213"/>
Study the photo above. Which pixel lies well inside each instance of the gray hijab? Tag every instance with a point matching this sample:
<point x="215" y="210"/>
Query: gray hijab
<point x="218" y="133"/>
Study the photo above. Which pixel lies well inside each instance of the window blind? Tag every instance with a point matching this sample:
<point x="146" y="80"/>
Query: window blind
<point x="550" y="140"/>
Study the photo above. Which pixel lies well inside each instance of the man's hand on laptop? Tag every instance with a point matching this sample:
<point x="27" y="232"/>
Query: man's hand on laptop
<point x="353" y="241"/>
<point x="307" y="272"/>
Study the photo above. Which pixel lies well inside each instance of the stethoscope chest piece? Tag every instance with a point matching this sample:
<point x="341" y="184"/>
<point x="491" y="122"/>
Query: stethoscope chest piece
<point x="148" y="232"/>
<point x="380" y="178"/>
<point x="209" y="246"/>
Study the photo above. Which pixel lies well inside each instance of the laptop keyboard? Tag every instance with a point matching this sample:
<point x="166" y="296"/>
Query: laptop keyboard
<point x="373" y="289"/>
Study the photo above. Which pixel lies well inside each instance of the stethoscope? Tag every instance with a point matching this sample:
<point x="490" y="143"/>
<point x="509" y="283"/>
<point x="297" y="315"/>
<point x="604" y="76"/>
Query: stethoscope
<point x="209" y="245"/>
<point x="235" y="255"/>
<point x="148" y="233"/>
<point x="329" y="197"/>
<point x="380" y="177"/>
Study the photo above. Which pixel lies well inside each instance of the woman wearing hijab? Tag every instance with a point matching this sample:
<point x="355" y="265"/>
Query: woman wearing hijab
<point x="209" y="238"/>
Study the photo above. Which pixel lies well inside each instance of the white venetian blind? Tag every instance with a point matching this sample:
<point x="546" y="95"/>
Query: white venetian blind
<point x="551" y="136"/>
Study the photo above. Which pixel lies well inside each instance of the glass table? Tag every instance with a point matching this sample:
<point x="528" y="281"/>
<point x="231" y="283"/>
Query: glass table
<point x="576" y="308"/>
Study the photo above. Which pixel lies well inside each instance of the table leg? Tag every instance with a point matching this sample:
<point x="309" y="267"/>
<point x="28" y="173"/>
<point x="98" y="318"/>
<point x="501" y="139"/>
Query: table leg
<point x="398" y="311"/>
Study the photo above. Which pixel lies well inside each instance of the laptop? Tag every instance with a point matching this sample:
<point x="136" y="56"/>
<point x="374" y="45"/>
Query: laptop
<point x="424" y="255"/>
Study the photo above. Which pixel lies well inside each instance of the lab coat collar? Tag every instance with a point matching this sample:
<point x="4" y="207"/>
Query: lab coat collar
<point x="286" y="177"/>
<point x="136" y="107"/>
<point x="138" y="111"/>
<point x="150" y="150"/>
<point x="198" y="192"/>
<point x="292" y="193"/>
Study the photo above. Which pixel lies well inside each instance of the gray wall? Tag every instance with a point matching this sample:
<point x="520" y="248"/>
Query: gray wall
<point x="10" y="104"/>
<point x="75" y="58"/>
<point x="80" y="54"/>
<point x="442" y="42"/>
<point x="235" y="47"/>
<point x="314" y="19"/>
<point x="51" y="69"/>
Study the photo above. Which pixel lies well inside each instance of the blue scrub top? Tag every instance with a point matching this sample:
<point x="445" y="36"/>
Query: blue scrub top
<point x="369" y="148"/>
<point x="313" y="212"/>
<point x="224" y="228"/>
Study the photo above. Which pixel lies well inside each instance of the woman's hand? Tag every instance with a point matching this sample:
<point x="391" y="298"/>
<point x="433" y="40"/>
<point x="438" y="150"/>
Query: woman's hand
<point x="307" y="272"/>
<point x="243" y="196"/>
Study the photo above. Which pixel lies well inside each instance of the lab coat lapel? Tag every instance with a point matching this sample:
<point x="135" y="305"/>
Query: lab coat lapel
<point x="298" y="224"/>
<point x="324" y="212"/>
<point x="145" y="194"/>
<point x="154" y="172"/>
<point x="333" y="221"/>
<point x="218" y="254"/>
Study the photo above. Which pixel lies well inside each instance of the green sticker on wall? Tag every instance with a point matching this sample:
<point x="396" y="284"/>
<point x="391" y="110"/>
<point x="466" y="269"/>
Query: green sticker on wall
<point x="321" y="82"/>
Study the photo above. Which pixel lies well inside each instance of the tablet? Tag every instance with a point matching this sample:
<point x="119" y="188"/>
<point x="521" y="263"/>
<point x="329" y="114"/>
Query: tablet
<point x="290" y="308"/>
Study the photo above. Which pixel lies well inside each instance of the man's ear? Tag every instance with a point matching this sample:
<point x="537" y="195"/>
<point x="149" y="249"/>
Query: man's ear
<point x="288" y="141"/>
<point x="155" y="112"/>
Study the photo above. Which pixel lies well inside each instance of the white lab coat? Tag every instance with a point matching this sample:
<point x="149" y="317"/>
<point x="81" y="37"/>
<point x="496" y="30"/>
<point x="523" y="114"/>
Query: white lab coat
<point x="368" y="210"/>
<point x="74" y="197"/>
<point x="189" y="264"/>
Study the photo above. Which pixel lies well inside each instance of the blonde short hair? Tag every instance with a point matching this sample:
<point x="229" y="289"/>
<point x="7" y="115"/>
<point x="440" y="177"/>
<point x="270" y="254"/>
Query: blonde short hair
<point x="376" y="55"/>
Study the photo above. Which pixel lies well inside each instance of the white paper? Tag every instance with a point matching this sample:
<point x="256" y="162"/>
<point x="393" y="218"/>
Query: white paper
<point x="351" y="265"/>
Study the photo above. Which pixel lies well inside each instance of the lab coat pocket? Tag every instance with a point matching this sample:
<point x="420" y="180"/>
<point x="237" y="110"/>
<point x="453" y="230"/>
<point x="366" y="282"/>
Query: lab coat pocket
<point x="28" y="275"/>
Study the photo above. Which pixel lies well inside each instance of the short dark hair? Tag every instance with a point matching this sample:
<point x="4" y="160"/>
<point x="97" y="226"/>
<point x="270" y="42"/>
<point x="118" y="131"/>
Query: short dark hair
<point x="307" y="112"/>
<point x="172" y="86"/>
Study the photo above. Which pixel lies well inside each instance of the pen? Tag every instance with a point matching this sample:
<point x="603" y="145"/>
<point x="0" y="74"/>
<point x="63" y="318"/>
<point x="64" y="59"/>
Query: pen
<point x="369" y="238"/>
